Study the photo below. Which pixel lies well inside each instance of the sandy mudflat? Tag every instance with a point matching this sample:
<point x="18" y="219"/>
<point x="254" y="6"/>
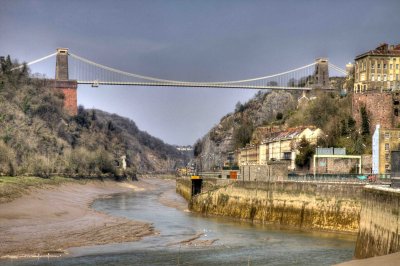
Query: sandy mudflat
<point x="50" y="220"/>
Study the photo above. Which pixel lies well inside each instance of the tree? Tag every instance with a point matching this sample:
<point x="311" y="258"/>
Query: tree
<point x="321" y="110"/>
<point x="6" y="65"/>
<point x="239" y="107"/>
<point x="242" y="135"/>
<point x="364" y="121"/>
<point x="292" y="82"/>
<point x="351" y="124"/>
<point x="306" y="151"/>
<point x="198" y="148"/>
<point x="272" y="83"/>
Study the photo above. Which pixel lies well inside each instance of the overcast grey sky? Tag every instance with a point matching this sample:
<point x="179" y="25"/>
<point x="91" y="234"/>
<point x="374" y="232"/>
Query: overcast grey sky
<point x="192" y="40"/>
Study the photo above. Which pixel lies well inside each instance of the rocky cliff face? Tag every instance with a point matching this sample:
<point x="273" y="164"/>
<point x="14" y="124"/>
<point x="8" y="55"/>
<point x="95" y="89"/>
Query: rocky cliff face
<point x="262" y="109"/>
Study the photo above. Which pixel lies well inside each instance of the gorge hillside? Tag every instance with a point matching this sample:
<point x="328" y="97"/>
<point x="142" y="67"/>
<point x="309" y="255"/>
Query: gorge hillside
<point x="275" y="111"/>
<point x="235" y="129"/>
<point x="37" y="137"/>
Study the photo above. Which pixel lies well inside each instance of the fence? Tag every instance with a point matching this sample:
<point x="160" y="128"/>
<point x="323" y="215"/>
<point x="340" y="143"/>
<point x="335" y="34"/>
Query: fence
<point x="340" y="177"/>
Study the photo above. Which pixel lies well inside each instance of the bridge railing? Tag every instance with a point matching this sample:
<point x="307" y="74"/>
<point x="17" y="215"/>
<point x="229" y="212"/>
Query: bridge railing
<point x="340" y="177"/>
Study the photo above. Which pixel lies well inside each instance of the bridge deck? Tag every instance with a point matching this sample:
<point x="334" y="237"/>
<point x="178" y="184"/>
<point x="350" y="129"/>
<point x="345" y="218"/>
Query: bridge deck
<point x="193" y="85"/>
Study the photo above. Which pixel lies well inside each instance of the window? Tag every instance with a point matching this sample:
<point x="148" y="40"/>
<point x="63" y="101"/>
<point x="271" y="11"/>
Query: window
<point x="372" y="65"/>
<point x="372" y="77"/>
<point x="387" y="135"/>
<point x="391" y="66"/>
<point x="384" y="66"/>
<point x="364" y="66"/>
<point x="397" y="66"/>
<point x="387" y="146"/>
<point x="387" y="167"/>
<point x="397" y="76"/>
<point x="391" y="77"/>
<point x="379" y="66"/>
<point x="387" y="157"/>
<point x="287" y="155"/>
<point x="362" y="76"/>
<point x="384" y="77"/>
<point x="379" y="77"/>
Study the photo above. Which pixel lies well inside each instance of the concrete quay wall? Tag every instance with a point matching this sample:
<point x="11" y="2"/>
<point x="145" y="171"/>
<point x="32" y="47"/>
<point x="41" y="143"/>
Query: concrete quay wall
<point x="379" y="222"/>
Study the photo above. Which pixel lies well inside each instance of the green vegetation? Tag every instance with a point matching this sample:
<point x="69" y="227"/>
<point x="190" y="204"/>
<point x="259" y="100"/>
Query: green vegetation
<point x="329" y="111"/>
<point x="306" y="151"/>
<point x="242" y="134"/>
<point x="364" y="121"/>
<point x="332" y="113"/>
<point x="38" y="138"/>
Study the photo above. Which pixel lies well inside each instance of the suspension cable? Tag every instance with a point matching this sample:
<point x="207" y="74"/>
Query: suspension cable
<point x="338" y="69"/>
<point x="181" y="82"/>
<point x="34" y="62"/>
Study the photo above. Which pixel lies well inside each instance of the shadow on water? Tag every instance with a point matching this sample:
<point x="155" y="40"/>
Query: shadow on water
<point x="234" y="242"/>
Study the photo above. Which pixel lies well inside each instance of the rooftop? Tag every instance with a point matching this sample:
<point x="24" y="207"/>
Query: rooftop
<point x="289" y="133"/>
<point x="383" y="49"/>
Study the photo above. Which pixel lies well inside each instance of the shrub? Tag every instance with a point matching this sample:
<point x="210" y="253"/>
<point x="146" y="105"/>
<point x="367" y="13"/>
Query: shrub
<point x="7" y="160"/>
<point x="43" y="167"/>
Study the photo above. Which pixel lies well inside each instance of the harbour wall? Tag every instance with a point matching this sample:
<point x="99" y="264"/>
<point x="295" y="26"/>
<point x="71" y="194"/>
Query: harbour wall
<point x="306" y="205"/>
<point x="379" y="222"/>
<point x="372" y="212"/>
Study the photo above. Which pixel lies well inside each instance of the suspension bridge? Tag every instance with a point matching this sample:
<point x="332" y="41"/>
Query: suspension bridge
<point x="72" y="69"/>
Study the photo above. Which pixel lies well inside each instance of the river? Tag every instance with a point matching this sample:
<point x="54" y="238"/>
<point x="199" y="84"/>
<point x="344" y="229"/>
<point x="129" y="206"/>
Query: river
<point x="185" y="238"/>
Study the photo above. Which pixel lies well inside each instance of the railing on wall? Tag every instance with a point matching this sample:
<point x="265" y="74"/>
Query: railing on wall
<point x="340" y="177"/>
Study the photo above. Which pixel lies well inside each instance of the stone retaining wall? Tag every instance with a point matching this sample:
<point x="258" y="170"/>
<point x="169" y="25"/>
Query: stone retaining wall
<point x="306" y="205"/>
<point x="379" y="222"/>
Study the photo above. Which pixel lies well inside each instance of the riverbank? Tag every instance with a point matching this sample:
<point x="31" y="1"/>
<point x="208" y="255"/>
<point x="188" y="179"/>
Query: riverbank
<point x="46" y="221"/>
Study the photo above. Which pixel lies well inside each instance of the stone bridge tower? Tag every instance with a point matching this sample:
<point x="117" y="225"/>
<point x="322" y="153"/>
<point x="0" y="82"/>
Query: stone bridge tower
<point x="62" y="82"/>
<point x="321" y="74"/>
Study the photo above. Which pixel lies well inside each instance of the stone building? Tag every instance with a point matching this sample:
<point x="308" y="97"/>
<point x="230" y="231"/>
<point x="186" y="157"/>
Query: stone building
<point x="249" y="155"/>
<point x="378" y="69"/>
<point x="384" y="141"/>
<point x="280" y="146"/>
<point x="377" y="86"/>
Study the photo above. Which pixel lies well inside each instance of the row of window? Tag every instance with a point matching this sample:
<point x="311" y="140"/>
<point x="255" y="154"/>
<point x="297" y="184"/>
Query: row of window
<point x="379" y="77"/>
<point x="379" y="66"/>
<point x="387" y="135"/>
<point x="387" y="147"/>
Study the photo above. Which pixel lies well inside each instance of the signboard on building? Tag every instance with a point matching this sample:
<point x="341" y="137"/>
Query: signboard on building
<point x="330" y="151"/>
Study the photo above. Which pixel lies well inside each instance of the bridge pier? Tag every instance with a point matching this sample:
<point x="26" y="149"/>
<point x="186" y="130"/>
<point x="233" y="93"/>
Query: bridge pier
<point x="63" y="84"/>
